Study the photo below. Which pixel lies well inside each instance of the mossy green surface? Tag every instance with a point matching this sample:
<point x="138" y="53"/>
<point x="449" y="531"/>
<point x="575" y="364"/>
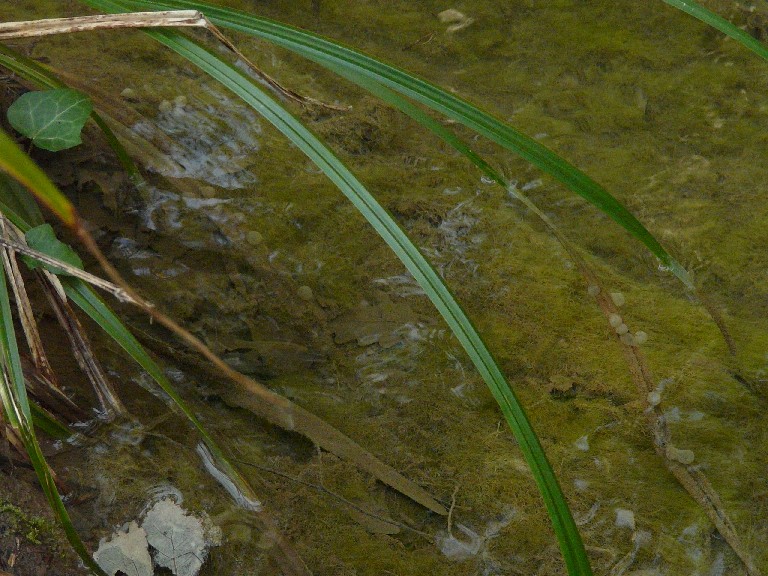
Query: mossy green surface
<point x="665" y="113"/>
<point x="33" y="528"/>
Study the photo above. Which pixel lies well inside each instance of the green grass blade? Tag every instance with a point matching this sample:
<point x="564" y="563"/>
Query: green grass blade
<point x="720" y="23"/>
<point x="47" y="423"/>
<point x="425" y="275"/>
<point x="430" y="123"/>
<point x="19" y="166"/>
<point x="44" y="78"/>
<point x="18" y="414"/>
<point x="340" y="59"/>
<point x="18" y="205"/>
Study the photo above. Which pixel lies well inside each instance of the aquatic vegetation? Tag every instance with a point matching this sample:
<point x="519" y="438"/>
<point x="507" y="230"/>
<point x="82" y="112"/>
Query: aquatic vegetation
<point x="381" y="80"/>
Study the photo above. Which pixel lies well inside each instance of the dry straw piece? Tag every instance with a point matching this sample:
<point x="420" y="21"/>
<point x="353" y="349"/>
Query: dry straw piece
<point x="171" y="18"/>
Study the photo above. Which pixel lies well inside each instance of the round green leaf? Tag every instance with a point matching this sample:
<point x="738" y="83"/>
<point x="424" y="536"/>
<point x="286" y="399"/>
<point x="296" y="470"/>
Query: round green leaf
<point x="52" y="119"/>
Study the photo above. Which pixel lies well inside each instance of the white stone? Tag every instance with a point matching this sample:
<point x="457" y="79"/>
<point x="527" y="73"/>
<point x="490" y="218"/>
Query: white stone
<point x="654" y="398"/>
<point x="580" y="484"/>
<point x="178" y="538"/>
<point x="618" y="298"/>
<point x="672" y="415"/>
<point x="254" y="237"/>
<point x="450" y="16"/>
<point x="641" y="337"/>
<point x="582" y="443"/>
<point x="305" y="293"/>
<point x="456" y="19"/>
<point x="615" y="320"/>
<point x="625" y="518"/>
<point x="628" y="339"/>
<point x="642" y="538"/>
<point x="680" y="455"/>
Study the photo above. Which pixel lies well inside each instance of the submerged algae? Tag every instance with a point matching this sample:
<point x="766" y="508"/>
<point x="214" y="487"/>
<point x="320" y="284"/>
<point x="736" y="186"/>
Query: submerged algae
<point x="653" y="105"/>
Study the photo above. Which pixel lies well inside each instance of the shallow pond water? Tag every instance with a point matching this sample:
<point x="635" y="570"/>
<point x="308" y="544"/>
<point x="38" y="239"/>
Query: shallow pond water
<point x="242" y="240"/>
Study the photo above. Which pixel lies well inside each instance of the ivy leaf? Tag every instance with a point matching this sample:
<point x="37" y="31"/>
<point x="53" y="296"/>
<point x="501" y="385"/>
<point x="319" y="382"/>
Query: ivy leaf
<point x="43" y="239"/>
<point x="52" y="119"/>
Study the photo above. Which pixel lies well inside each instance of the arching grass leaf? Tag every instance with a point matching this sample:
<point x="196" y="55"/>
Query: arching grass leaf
<point x="564" y="526"/>
<point x="20" y="167"/>
<point x="52" y="119"/>
<point x="720" y="23"/>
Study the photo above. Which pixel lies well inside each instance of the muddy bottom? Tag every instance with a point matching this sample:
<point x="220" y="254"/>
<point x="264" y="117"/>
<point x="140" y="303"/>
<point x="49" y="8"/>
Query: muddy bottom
<point x="31" y="542"/>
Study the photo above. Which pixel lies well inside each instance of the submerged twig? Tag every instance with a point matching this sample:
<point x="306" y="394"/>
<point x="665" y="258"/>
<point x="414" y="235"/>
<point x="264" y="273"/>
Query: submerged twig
<point x="49" y="395"/>
<point x="110" y="402"/>
<point x="339" y="497"/>
<point x="452" y="508"/>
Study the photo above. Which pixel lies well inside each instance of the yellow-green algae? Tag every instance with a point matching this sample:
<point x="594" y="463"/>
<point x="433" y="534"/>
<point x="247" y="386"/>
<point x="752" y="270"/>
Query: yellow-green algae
<point x="667" y="114"/>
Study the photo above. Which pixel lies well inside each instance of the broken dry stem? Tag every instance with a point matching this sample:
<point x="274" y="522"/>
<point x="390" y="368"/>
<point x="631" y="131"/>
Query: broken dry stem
<point x="110" y="402"/>
<point x="24" y="307"/>
<point x="68" y="269"/>
<point x="50" y="26"/>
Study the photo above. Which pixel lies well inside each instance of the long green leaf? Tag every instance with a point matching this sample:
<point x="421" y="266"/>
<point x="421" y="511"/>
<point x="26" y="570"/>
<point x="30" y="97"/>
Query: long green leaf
<point x="18" y="414"/>
<point x="353" y="64"/>
<point x="720" y="23"/>
<point x="47" y="423"/>
<point x="240" y="84"/>
<point x="21" y="167"/>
